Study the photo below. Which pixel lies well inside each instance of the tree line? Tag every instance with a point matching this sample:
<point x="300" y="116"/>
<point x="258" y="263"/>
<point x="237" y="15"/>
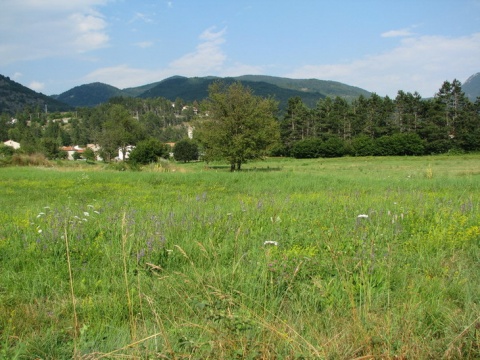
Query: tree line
<point x="235" y="125"/>
<point x="406" y="125"/>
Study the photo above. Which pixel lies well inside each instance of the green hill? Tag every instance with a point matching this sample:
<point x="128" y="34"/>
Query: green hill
<point x="196" y="88"/>
<point x="15" y="97"/>
<point x="191" y="89"/>
<point x="89" y="94"/>
<point x="324" y="87"/>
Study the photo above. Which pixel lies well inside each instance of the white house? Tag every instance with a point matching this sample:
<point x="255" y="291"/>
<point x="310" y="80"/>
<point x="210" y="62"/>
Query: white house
<point x="128" y="150"/>
<point x="12" y="143"/>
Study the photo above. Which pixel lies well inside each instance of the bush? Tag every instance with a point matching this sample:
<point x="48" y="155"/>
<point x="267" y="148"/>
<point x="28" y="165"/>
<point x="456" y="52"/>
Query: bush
<point x="399" y="144"/>
<point x="148" y="151"/>
<point x="185" y="150"/>
<point x="333" y="147"/>
<point x="36" y="159"/>
<point x="6" y="151"/>
<point x="363" y="146"/>
<point x="307" y="148"/>
<point x="89" y="155"/>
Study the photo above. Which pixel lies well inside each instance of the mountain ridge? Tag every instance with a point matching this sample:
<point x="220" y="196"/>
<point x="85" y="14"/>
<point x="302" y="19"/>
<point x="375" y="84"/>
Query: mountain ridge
<point x="196" y="88"/>
<point x="14" y="97"/>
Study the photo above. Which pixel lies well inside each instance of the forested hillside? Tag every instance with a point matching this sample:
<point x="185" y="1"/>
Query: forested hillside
<point x="16" y="97"/>
<point x="196" y="89"/>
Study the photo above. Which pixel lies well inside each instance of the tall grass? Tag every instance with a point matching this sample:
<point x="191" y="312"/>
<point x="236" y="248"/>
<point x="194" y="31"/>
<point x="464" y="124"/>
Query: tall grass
<point x="270" y="262"/>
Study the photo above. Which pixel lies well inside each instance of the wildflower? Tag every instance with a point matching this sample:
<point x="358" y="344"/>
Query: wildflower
<point x="90" y="206"/>
<point x="269" y="242"/>
<point x="364" y="216"/>
<point x="40" y="231"/>
<point x="40" y="214"/>
<point x="86" y="213"/>
<point x="96" y="212"/>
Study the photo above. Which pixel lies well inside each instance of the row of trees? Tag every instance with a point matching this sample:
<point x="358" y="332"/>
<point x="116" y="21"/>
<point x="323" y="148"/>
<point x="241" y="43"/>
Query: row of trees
<point x="235" y="125"/>
<point x="366" y="125"/>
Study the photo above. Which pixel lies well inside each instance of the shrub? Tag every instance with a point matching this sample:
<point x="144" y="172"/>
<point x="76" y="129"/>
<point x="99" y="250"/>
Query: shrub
<point x="6" y="151"/>
<point x="307" y="148"/>
<point x="89" y="155"/>
<point x="363" y="146"/>
<point x="148" y="151"/>
<point x="185" y="150"/>
<point x="36" y="159"/>
<point x="333" y="147"/>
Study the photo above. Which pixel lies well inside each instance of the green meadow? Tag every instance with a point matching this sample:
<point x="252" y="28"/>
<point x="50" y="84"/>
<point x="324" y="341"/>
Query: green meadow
<point x="348" y="258"/>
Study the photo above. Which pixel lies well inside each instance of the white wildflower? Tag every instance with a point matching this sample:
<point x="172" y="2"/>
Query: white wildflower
<point x="40" y="214"/>
<point x="362" y="216"/>
<point x="96" y="212"/>
<point x="86" y="213"/>
<point x="90" y="206"/>
<point x="40" y="231"/>
<point x="270" y="242"/>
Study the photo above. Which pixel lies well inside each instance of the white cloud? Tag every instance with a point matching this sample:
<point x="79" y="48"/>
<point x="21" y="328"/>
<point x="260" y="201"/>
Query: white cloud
<point x="397" y="33"/>
<point x="17" y="75"/>
<point x="34" y="29"/>
<point x="419" y="63"/>
<point x="36" y="86"/>
<point x="141" y="17"/>
<point x="207" y="59"/>
<point x="144" y="44"/>
<point x="123" y="76"/>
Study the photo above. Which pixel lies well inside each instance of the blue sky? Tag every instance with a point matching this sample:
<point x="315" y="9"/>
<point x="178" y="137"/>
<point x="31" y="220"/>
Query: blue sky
<point x="380" y="45"/>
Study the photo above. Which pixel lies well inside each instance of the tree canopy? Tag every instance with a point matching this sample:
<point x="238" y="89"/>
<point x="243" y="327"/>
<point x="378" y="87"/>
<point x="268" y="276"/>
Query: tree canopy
<point x="240" y="126"/>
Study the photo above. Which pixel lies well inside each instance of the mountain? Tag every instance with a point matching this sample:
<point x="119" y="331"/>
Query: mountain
<point x="89" y="94"/>
<point x="14" y="97"/>
<point x="137" y="91"/>
<point x="196" y="88"/>
<point x="191" y="89"/>
<point x="282" y="89"/>
<point x="324" y="87"/>
<point x="471" y="87"/>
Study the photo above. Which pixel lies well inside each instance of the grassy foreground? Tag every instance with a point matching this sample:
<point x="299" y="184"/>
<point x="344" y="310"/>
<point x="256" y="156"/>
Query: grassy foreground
<point x="367" y="258"/>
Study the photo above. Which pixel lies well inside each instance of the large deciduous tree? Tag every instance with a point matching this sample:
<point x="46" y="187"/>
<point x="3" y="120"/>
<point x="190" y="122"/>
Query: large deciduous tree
<point x="240" y="125"/>
<point x="119" y="131"/>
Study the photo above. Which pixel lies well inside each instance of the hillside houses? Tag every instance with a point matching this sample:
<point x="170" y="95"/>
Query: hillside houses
<point x="73" y="150"/>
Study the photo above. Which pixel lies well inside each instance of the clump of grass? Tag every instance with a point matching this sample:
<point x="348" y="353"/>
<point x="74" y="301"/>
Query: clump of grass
<point x="29" y="160"/>
<point x="429" y="172"/>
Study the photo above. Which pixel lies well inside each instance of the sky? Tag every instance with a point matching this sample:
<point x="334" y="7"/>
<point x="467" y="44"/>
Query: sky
<point x="382" y="46"/>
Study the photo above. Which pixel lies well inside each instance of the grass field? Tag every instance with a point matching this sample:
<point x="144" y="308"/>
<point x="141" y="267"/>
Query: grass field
<point x="351" y="258"/>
